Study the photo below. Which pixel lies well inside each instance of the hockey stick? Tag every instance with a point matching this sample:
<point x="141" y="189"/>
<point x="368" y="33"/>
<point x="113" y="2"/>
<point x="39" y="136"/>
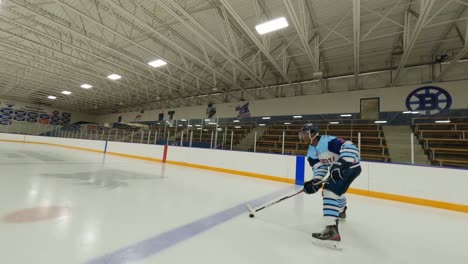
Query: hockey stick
<point x="252" y="211"/>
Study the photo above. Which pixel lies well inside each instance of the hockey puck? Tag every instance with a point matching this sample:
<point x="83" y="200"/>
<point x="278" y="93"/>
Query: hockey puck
<point x="251" y="215"/>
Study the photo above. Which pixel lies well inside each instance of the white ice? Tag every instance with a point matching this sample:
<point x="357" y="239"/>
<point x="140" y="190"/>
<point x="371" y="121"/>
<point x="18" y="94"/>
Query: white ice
<point x="117" y="202"/>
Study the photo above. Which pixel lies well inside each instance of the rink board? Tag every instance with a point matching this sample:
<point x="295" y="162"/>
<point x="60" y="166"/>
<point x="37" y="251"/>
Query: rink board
<point x="429" y="186"/>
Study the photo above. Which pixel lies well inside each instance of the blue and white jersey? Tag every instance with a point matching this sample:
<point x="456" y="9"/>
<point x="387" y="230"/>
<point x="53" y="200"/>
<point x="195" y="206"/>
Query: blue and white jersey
<point x="328" y="150"/>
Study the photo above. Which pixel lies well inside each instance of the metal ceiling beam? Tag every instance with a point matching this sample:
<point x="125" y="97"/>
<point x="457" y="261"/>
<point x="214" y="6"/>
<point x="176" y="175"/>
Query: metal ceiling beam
<point x="83" y="35"/>
<point x="357" y="40"/>
<point x="454" y="61"/>
<point x="87" y="72"/>
<point x="61" y="70"/>
<point x="397" y="4"/>
<point x="122" y="36"/>
<point x="33" y="79"/>
<point x="53" y="77"/>
<point x="22" y="91"/>
<point x="54" y="51"/>
<point x="425" y="9"/>
<point x="302" y="31"/>
<point x="260" y="8"/>
<point x="253" y="38"/>
<point x="320" y="54"/>
<point x="53" y="81"/>
<point x="448" y="29"/>
<point x="129" y="86"/>
<point x="73" y="47"/>
<point x="210" y="40"/>
<point x="172" y="43"/>
<point x="189" y="43"/>
<point x="17" y="76"/>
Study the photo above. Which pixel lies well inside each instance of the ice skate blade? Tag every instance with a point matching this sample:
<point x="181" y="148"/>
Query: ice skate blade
<point x="327" y="243"/>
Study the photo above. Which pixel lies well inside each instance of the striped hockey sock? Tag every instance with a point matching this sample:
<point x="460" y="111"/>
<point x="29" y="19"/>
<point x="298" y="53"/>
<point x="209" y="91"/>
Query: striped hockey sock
<point x="331" y="208"/>
<point x="341" y="203"/>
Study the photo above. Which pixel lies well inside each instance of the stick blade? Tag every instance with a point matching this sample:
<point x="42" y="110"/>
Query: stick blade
<point x="251" y="210"/>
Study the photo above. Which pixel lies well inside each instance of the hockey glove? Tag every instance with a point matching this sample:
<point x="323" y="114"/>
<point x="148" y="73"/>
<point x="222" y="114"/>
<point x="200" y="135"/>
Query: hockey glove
<point x="312" y="186"/>
<point x="312" y="161"/>
<point x="340" y="170"/>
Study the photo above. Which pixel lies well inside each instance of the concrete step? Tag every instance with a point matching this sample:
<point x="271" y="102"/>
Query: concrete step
<point x="399" y="144"/>
<point x="249" y="139"/>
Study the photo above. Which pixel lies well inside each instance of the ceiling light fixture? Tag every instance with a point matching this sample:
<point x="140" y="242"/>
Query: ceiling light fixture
<point x="157" y="63"/>
<point x="272" y="25"/>
<point x="114" y="76"/>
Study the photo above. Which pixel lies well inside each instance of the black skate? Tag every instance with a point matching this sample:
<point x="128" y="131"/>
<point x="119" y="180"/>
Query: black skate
<point x="329" y="237"/>
<point x="342" y="216"/>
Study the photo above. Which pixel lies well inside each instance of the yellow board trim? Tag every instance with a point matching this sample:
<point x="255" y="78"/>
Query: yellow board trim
<point x="51" y="144"/>
<point x="373" y="194"/>
<point x="11" y="140"/>
<point x="411" y="200"/>
<point x="133" y="156"/>
<point x="236" y="172"/>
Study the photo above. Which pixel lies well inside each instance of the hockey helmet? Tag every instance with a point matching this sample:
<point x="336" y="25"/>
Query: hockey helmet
<point x="309" y="130"/>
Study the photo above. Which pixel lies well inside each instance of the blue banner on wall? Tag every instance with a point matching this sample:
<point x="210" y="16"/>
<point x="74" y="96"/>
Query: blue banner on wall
<point x="6" y="116"/>
<point x="20" y="113"/>
<point x="33" y="114"/>
<point x="32" y="119"/>
<point x="7" y="111"/>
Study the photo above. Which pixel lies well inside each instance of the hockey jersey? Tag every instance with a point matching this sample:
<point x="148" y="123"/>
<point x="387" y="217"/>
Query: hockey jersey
<point x="328" y="150"/>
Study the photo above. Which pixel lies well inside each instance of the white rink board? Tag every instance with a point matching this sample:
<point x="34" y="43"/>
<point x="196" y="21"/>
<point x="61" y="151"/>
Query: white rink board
<point x="142" y="150"/>
<point x="97" y="145"/>
<point x="273" y="165"/>
<point x="15" y="137"/>
<point x="433" y="183"/>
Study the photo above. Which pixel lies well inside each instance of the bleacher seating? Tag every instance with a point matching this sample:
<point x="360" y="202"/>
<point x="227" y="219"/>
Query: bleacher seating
<point x="373" y="144"/>
<point x="224" y="134"/>
<point x="445" y="144"/>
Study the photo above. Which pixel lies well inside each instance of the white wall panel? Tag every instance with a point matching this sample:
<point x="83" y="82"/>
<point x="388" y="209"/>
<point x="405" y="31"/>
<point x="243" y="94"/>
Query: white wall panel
<point x="441" y="184"/>
<point x="273" y="165"/>
<point x="97" y="145"/>
<point x="17" y="137"/>
<point x="392" y="99"/>
<point x="143" y="150"/>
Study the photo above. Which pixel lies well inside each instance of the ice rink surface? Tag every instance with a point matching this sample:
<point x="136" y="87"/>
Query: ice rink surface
<point x="68" y="206"/>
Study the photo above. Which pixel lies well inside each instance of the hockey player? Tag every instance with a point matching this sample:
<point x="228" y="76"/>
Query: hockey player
<point x="342" y="158"/>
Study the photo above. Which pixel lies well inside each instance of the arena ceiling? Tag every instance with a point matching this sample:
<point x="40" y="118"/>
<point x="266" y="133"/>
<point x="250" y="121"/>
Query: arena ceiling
<point x="212" y="49"/>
